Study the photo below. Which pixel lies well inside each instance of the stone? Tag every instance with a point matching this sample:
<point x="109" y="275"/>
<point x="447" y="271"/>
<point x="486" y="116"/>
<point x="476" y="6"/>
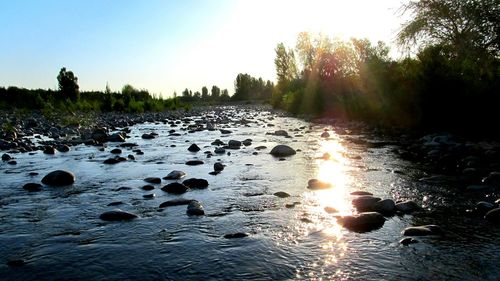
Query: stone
<point x="152" y="180"/>
<point x="117" y="215"/>
<point x="423" y="230"/>
<point x="218" y="167"/>
<point x="247" y="142"/>
<point x="175" y="188"/>
<point x="217" y="142"/>
<point x="407" y="241"/>
<point x="385" y="207"/>
<point x="116" y="203"/>
<point x="330" y="210"/>
<point x="316" y="184"/>
<point x="175" y="175"/>
<point x="234" y="144"/>
<point x="194" y="162"/>
<point x="225" y="132"/>
<point x="282" y="150"/>
<point x="32" y="187"/>
<point x="281" y="194"/>
<point x="361" y="193"/>
<point x="49" y="150"/>
<point x="195" y="208"/>
<point x="116" y="137"/>
<point x="261" y="147"/>
<point x="116" y="151"/>
<point x="235" y="235"/>
<point x="483" y="207"/>
<point x="6" y="157"/>
<point x="147" y="136"/>
<point x="114" y="160"/>
<point x="281" y="133"/>
<point x="149" y="196"/>
<point x="175" y="202"/>
<point x="59" y="178"/>
<point x="63" y="148"/>
<point x="325" y="134"/>
<point x="220" y="150"/>
<point x="362" y="222"/>
<point x="99" y="135"/>
<point x="196" y="183"/>
<point x="194" y="148"/>
<point x="493" y="216"/>
<point x="407" y="207"/>
<point x="365" y="203"/>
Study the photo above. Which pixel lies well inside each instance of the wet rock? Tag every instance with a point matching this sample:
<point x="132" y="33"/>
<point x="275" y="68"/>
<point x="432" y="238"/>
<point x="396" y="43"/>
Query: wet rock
<point x="424" y="230"/>
<point x="63" y="148"/>
<point x="6" y="157"/>
<point x="117" y="215"/>
<point x="261" y="147"/>
<point x="316" y="184"/>
<point x="282" y="150"/>
<point x="195" y="208"/>
<point x="149" y="196"/>
<point x="148" y="187"/>
<point x="361" y="193"/>
<point x="217" y="142"/>
<point x="291" y="205"/>
<point x="15" y="263"/>
<point x="196" y="183"/>
<point x="365" y="203"/>
<point x="194" y="148"/>
<point x="362" y="222"/>
<point x="175" y="175"/>
<point x="128" y="145"/>
<point x="235" y="235"/>
<point x="152" y="180"/>
<point x="116" y="151"/>
<point x="483" y="207"/>
<point x="234" y="144"/>
<point x="407" y="241"/>
<point x="12" y="162"/>
<point x="385" y="207"/>
<point x="115" y="160"/>
<point x="219" y="150"/>
<point x="281" y="133"/>
<point x="331" y="210"/>
<point x="194" y="162"/>
<point x="175" y="202"/>
<point x="492" y="179"/>
<point x="99" y="135"/>
<point x="148" y="136"/>
<point x="281" y="194"/>
<point x="32" y="187"/>
<point x="493" y="216"/>
<point x="225" y="132"/>
<point x="218" y="167"/>
<point x="247" y="142"/>
<point x="325" y="134"/>
<point x="59" y="178"/>
<point x="115" y="203"/>
<point x="407" y="207"/>
<point x="116" y="137"/>
<point x="175" y="188"/>
<point x="49" y="150"/>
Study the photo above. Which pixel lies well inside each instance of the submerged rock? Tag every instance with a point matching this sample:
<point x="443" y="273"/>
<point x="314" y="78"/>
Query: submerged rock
<point x="362" y="222"/>
<point x="152" y="180"/>
<point x="175" y="175"/>
<point x="194" y="162"/>
<point x="424" y="230"/>
<point x="282" y="150"/>
<point x="281" y="194"/>
<point x="195" y="208"/>
<point x="407" y="241"/>
<point x="117" y="215"/>
<point x="59" y="178"/>
<point x="175" y="202"/>
<point x="235" y="235"/>
<point x="32" y="187"/>
<point x="175" y="188"/>
<point x="493" y="216"/>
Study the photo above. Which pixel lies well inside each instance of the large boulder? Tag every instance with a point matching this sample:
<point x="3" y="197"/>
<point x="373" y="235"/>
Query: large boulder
<point x="385" y="207"/>
<point x="99" y="135"/>
<point x="423" y="230"/>
<point x="407" y="207"/>
<point x="362" y="222"/>
<point x="117" y="215"/>
<point x="282" y="150"/>
<point x="59" y="178"/>
<point x="175" y="175"/>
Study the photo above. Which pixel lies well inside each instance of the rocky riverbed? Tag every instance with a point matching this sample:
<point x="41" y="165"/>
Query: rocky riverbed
<point x="242" y="193"/>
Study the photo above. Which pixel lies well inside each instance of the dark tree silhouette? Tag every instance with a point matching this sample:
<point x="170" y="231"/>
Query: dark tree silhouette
<point x="68" y="84"/>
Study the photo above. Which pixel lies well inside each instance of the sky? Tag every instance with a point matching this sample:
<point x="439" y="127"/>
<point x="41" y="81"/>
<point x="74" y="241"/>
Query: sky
<point x="165" y="46"/>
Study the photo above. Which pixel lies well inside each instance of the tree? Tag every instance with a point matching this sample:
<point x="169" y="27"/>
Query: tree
<point x="224" y="95"/>
<point x="469" y="26"/>
<point x="68" y="84"/>
<point x="204" y="93"/>
<point x="215" y="93"/>
<point x="286" y="67"/>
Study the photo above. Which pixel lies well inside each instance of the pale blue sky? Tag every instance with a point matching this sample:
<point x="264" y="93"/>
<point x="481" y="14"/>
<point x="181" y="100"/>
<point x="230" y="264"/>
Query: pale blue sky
<point x="166" y="46"/>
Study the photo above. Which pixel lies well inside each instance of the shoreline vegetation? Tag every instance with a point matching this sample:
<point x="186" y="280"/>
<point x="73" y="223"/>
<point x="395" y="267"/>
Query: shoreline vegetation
<point x="451" y="83"/>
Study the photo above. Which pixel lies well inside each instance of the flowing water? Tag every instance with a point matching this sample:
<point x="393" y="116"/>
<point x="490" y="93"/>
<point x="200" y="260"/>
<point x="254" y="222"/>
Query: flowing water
<point x="58" y="234"/>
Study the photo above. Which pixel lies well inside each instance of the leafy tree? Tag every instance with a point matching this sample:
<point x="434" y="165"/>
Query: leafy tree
<point x="286" y="67"/>
<point x="224" y="95"/>
<point x="204" y="93"/>
<point x="215" y="93"/>
<point x="68" y="84"/>
<point x="469" y="26"/>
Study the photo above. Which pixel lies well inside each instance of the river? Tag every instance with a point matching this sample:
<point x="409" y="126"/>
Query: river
<point x="58" y="235"/>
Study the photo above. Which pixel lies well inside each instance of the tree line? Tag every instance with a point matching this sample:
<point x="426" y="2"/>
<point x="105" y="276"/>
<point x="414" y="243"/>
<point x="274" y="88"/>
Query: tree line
<point x="452" y="82"/>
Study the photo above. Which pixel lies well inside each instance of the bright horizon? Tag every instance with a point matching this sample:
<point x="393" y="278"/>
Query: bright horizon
<point x="167" y="46"/>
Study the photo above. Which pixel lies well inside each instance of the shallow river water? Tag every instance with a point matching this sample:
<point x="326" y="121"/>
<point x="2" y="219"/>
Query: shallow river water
<point x="58" y="234"/>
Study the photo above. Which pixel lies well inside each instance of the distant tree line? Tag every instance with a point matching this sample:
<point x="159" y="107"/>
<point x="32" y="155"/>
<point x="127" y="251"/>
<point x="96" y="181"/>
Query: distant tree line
<point x="452" y="82"/>
<point x="69" y="97"/>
